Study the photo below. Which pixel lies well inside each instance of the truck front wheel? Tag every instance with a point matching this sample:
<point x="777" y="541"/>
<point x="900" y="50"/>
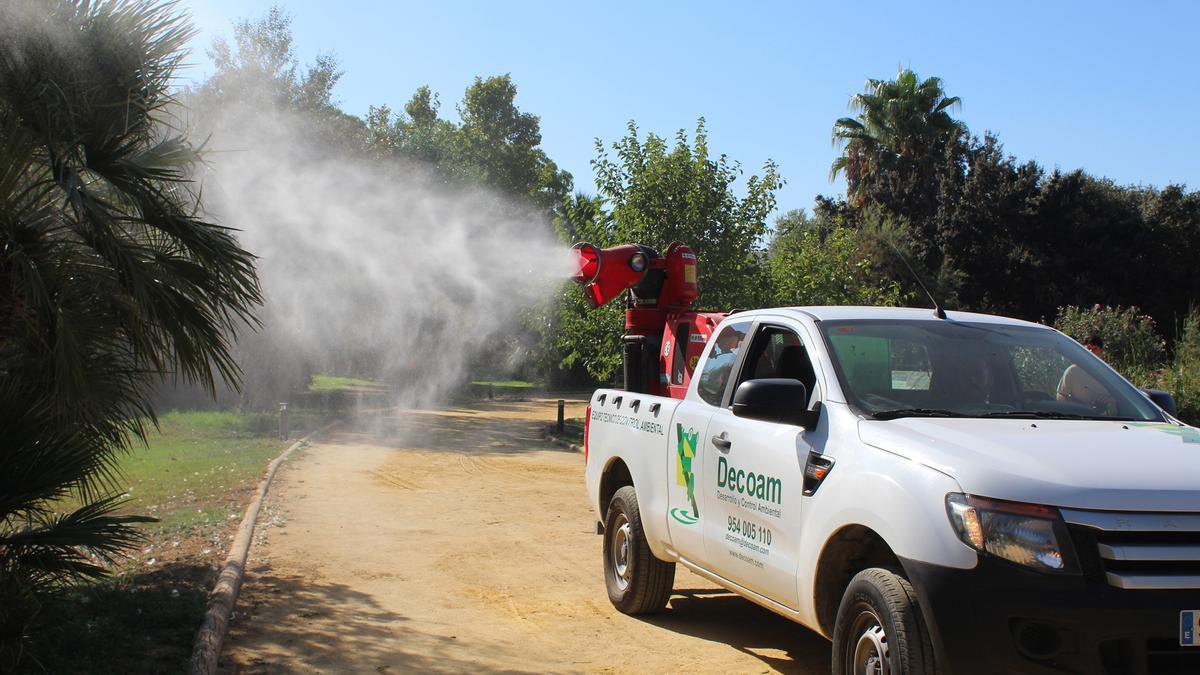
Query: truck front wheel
<point x="638" y="583"/>
<point x="879" y="628"/>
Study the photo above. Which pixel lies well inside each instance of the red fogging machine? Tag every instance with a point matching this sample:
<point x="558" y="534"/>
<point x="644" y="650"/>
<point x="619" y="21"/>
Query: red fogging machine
<point x="663" y="337"/>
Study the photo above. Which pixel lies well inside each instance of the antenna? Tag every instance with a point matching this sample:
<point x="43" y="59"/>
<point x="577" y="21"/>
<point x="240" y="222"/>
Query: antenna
<point x="937" y="306"/>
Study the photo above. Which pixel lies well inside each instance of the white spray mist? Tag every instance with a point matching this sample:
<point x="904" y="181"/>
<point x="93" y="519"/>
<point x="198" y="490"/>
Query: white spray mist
<point x="370" y="267"/>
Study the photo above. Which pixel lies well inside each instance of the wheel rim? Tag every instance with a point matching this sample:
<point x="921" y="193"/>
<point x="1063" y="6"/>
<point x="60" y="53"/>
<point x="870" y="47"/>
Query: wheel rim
<point x="870" y="656"/>
<point x="622" y="562"/>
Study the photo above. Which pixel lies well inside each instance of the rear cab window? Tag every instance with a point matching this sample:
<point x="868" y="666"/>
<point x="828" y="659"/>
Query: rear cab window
<point x="679" y="360"/>
<point x="723" y="354"/>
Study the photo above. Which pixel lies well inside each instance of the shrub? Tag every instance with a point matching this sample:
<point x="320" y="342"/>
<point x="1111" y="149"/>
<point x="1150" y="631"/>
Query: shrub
<point x="1182" y="378"/>
<point x="1132" y="344"/>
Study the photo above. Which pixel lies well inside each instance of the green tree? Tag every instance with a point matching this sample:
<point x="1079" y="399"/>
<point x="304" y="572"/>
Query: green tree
<point x="108" y="280"/>
<point x="661" y="193"/>
<point x="501" y="144"/>
<point x="575" y="344"/>
<point x="578" y="339"/>
<point x="821" y="263"/>
<point x="417" y="135"/>
<point x="582" y="217"/>
<point x="496" y="144"/>
<point x="987" y="234"/>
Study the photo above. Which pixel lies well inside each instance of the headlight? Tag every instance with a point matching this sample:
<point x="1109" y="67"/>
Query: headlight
<point x="1027" y="534"/>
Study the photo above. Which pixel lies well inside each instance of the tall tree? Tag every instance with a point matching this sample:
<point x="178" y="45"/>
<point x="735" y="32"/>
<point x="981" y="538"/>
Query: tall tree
<point x="496" y="144"/>
<point x="108" y="279"/>
<point x="502" y="143"/>
<point x="987" y="232"/>
<point x="259" y="74"/>
<point x="893" y="146"/>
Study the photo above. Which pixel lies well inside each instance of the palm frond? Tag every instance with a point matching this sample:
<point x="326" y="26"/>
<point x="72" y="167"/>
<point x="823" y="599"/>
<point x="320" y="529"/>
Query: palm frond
<point x="73" y="545"/>
<point x="109" y="278"/>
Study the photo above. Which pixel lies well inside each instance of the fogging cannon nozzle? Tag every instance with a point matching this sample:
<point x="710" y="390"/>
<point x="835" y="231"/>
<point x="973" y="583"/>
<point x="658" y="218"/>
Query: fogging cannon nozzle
<point x="662" y="281"/>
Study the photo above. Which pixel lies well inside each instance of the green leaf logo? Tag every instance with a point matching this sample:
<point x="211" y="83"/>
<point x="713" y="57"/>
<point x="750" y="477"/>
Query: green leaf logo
<point x="685" y="455"/>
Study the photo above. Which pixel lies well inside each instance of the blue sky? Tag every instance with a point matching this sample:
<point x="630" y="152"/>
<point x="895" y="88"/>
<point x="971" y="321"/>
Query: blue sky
<point x="1108" y="87"/>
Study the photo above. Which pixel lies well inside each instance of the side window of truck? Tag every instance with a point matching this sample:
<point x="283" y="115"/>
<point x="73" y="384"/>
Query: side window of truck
<point x="719" y="364"/>
<point x="779" y="352"/>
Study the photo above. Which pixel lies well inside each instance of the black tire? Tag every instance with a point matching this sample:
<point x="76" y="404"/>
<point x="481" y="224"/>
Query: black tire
<point x="642" y="585"/>
<point x="880" y="613"/>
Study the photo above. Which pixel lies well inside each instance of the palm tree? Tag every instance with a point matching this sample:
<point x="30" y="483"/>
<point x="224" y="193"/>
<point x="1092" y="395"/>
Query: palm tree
<point x="901" y="125"/>
<point x="109" y="279"/>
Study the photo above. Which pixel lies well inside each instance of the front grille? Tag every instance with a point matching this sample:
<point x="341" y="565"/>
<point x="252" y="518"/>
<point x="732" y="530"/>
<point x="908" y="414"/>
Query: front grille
<point x="1150" y="551"/>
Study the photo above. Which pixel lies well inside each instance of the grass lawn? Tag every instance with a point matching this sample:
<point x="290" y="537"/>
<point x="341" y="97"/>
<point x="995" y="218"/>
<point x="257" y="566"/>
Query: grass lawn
<point x="322" y="383"/>
<point x="185" y="474"/>
<point x="509" y="389"/>
<point x="507" y="384"/>
<point x="197" y="476"/>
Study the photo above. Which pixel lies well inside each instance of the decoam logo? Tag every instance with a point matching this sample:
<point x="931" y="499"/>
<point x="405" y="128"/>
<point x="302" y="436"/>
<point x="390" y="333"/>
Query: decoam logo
<point x="761" y="486"/>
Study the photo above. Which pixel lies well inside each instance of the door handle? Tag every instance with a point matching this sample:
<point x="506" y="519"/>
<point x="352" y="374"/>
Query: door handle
<point x="723" y="444"/>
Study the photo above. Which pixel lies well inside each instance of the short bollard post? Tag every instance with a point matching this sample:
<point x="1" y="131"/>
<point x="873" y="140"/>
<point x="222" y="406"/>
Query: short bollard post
<point x="561" y="404"/>
<point x="283" y="421"/>
<point x="491" y="392"/>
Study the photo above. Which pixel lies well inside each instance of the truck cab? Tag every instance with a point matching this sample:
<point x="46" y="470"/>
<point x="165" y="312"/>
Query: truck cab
<point x="921" y="489"/>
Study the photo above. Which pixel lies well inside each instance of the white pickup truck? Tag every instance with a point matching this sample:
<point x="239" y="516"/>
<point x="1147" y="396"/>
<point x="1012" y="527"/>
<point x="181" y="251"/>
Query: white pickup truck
<point x="967" y="494"/>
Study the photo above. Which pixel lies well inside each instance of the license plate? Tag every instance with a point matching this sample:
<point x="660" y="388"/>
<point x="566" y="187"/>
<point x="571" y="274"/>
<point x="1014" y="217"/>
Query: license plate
<point x="1189" y="628"/>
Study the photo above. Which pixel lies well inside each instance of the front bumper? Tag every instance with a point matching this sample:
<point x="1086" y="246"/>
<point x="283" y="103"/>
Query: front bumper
<point x="1002" y="618"/>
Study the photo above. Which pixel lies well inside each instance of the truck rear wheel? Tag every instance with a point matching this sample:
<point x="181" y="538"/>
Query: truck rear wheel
<point x="880" y="629"/>
<point x="638" y="583"/>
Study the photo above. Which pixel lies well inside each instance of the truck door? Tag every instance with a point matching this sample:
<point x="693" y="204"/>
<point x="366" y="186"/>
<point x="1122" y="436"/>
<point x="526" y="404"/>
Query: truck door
<point x="689" y="445"/>
<point x="754" y="483"/>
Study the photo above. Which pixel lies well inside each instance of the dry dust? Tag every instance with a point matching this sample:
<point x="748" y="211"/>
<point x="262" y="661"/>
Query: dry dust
<point x="457" y="540"/>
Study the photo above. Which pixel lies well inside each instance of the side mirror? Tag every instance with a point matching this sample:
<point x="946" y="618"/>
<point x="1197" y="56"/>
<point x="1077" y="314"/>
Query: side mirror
<point x="781" y="400"/>
<point x="1162" y="399"/>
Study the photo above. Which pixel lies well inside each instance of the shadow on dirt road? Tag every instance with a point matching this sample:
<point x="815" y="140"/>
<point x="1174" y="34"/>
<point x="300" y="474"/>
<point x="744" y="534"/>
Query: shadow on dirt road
<point x="366" y="629"/>
<point x="716" y="615"/>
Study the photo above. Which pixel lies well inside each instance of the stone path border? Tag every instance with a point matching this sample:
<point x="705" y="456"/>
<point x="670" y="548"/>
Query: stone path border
<point x="207" y="649"/>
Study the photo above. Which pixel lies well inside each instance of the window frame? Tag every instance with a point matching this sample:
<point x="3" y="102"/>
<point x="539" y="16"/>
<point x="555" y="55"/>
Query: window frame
<point x="766" y="325"/>
<point x="809" y="338"/>
<point x="735" y="368"/>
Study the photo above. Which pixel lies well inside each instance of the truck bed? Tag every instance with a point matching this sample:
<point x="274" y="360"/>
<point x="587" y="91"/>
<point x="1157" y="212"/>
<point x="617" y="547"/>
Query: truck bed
<point x="634" y="429"/>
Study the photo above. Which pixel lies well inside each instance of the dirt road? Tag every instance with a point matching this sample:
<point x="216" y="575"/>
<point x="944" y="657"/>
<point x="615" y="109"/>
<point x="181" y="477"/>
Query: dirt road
<point x="457" y="540"/>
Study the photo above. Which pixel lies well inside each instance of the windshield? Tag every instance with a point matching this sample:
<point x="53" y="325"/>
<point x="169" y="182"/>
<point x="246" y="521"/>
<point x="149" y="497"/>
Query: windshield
<point x="938" y="368"/>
